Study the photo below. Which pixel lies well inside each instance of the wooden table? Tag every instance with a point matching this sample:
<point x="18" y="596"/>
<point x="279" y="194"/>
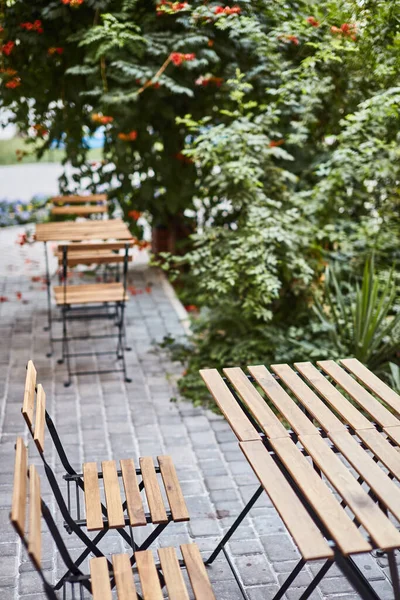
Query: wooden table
<point x="294" y="426"/>
<point x="73" y="231"/>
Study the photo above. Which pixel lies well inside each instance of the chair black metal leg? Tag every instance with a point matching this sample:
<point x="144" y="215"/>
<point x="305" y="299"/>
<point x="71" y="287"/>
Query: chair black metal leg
<point x="288" y="582"/>
<point x="49" y="327"/>
<point x="65" y="348"/>
<point x="394" y="574"/>
<point x="121" y="340"/>
<point x="319" y="576"/>
<point x="234" y="526"/>
<point x="355" y="577"/>
<point x="80" y="559"/>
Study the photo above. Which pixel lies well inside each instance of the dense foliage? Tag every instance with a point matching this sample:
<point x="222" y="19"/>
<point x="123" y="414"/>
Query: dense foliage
<point x="273" y="128"/>
<point x="309" y="178"/>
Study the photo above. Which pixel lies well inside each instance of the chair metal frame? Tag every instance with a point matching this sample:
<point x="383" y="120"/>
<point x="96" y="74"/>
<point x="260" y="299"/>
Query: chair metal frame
<point x="75" y="313"/>
<point x="345" y="563"/>
<point x="76" y="525"/>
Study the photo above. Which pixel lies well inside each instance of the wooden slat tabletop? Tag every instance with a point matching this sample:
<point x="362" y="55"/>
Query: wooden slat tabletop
<point x="268" y="422"/>
<point x="299" y="523"/>
<point x="377" y="411"/>
<point x="81" y="231"/>
<point x="372" y="382"/>
<point x="314" y="403"/>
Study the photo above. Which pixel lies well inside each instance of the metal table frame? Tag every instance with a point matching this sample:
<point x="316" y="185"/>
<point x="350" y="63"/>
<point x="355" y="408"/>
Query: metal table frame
<point x="346" y="563"/>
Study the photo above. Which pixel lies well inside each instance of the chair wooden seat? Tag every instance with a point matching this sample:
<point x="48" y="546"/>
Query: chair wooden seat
<point x="91" y="257"/>
<point x="133" y="499"/>
<point x="151" y="589"/>
<point x="93" y="293"/>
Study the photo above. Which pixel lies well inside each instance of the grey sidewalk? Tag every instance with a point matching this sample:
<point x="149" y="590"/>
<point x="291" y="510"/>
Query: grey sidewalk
<point x="100" y="417"/>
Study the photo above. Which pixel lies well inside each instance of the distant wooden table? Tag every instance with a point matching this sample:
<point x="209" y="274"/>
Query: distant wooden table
<point x="295" y="450"/>
<point x="81" y="231"/>
<point x="72" y="231"/>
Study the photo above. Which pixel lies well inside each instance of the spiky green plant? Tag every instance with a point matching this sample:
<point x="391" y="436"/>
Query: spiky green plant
<point x="362" y="318"/>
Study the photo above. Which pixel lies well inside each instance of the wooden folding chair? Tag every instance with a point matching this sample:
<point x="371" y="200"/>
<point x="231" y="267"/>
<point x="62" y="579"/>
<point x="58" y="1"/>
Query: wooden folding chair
<point x="83" y="508"/>
<point x="79" y="302"/>
<point x="104" y="574"/>
<point x="79" y="206"/>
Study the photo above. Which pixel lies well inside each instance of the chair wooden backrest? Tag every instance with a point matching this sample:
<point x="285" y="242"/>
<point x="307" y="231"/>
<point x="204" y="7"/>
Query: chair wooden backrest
<point x="79" y="205"/>
<point x="33" y="412"/>
<point x="31" y="535"/>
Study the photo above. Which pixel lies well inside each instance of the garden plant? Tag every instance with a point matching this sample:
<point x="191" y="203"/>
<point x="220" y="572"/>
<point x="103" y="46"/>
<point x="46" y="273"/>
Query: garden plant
<point x="269" y="131"/>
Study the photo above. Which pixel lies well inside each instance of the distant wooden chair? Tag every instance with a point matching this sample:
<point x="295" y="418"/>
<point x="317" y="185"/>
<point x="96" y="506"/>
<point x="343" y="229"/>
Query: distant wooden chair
<point x="79" y="206"/>
<point x="73" y="299"/>
<point x="105" y="574"/>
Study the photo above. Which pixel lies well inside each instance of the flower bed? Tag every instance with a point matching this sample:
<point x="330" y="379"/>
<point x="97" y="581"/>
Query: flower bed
<point x="19" y="212"/>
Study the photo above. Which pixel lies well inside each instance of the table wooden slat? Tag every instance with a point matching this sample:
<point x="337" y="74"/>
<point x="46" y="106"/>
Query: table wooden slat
<point x="310" y="400"/>
<point x="113" y="495"/>
<point x="381" y="530"/>
<point x="94" y="517"/>
<point x="298" y="421"/>
<point x="148" y="575"/>
<point x="393" y="433"/>
<point x="268" y="422"/>
<point x="300" y="525"/>
<point x="124" y="577"/>
<point x="172" y="574"/>
<point x="349" y="413"/>
<point x="197" y="572"/>
<point x="348" y="538"/>
<point x="173" y="490"/>
<point x="375" y="477"/>
<point x="132" y="494"/>
<point x="379" y="445"/>
<point x="372" y="406"/>
<point x="100" y="579"/>
<point x="383" y="391"/>
<point x="228" y="405"/>
<point x="79" y="231"/>
<point x="152" y="489"/>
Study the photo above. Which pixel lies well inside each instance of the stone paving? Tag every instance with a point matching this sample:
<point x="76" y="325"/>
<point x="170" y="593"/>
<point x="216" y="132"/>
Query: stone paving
<point x="100" y="417"/>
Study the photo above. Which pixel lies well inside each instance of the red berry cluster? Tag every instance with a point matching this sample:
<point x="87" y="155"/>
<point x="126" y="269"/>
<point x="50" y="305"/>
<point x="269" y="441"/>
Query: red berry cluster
<point x="205" y="80"/>
<point x="346" y="29"/>
<point x="55" y="50"/>
<point x="134" y="214"/>
<point x="227" y="10"/>
<point x="313" y="21"/>
<point x="72" y="3"/>
<point x="164" y="7"/>
<point x="185" y="159"/>
<point x="178" y="58"/>
<point x="7" y="48"/>
<point x="13" y="83"/>
<point x="128" y="137"/>
<point x="40" y="130"/>
<point x="102" y="119"/>
<point x="35" y="26"/>
<point x="290" y="39"/>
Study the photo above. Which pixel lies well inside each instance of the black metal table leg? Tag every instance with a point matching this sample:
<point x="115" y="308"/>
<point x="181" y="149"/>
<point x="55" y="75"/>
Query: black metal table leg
<point x="234" y="526"/>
